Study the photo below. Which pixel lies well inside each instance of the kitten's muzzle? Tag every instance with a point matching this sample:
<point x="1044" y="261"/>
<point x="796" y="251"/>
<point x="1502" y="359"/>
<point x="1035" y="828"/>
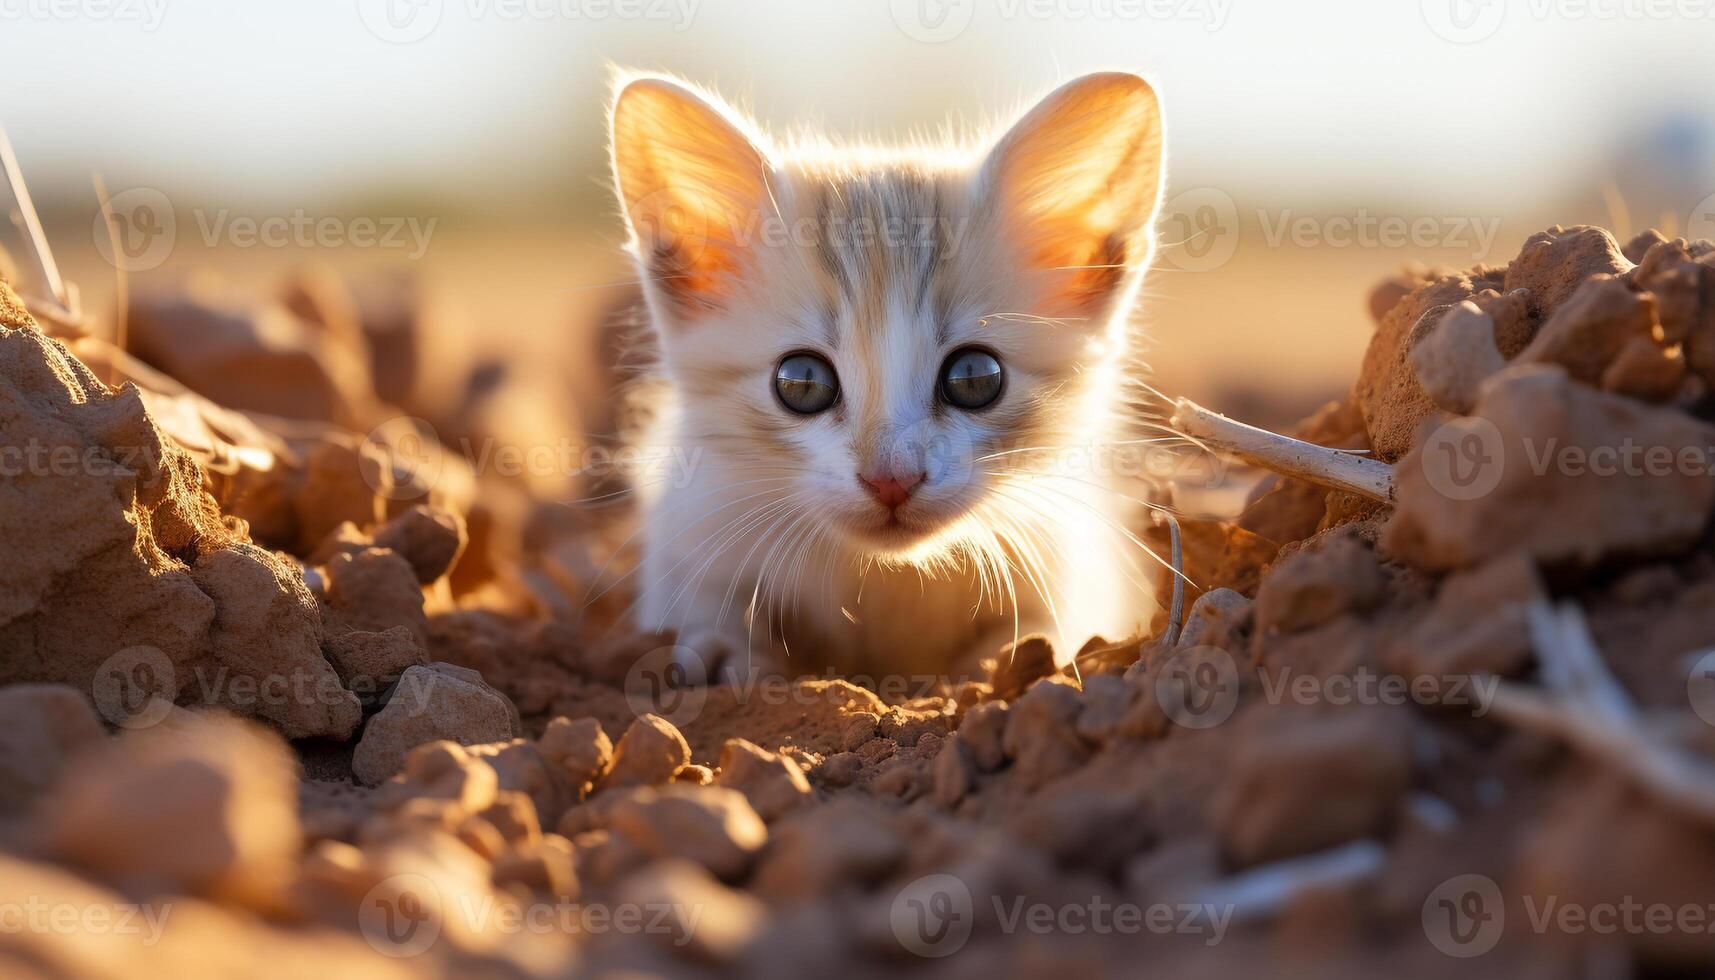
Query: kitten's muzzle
<point x="889" y="490"/>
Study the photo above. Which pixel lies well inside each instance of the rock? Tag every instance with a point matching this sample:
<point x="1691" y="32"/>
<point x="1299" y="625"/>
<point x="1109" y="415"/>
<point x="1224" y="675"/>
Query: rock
<point x="430" y="703"/>
<point x="1553" y="264"/>
<point x="1478" y="624"/>
<point x="858" y="729"/>
<point x="431" y="540"/>
<point x="1217" y="619"/>
<point x="368" y="662"/>
<point x="707" y="920"/>
<point x="1454" y="358"/>
<point x="840" y="769"/>
<point x="1042" y="734"/>
<point x="1387" y="393"/>
<point x="46" y="725"/>
<point x="1107" y="701"/>
<point x="1306" y="783"/>
<point x="513" y="814"/>
<point x="120" y="572"/>
<point x="983" y="732"/>
<point x="443" y="770"/>
<point x="1577" y="475"/>
<point x="1589" y="330"/>
<point x="374" y="590"/>
<point x="521" y="767"/>
<point x="1641" y="243"/>
<point x="201" y="803"/>
<point x="818" y="849"/>
<point x="1645" y="371"/>
<point x="650" y="753"/>
<point x="251" y="356"/>
<point x="710" y="825"/>
<point x="1682" y="280"/>
<point x="955" y="776"/>
<point x="544" y="865"/>
<point x="579" y="747"/>
<point x="1022" y="664"/>
<point x="1318" y="583"/>
<point x="774" y="784"/>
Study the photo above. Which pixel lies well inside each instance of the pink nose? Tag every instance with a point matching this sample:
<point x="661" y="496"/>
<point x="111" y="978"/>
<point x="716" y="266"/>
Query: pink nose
<point x="891" y="491"/>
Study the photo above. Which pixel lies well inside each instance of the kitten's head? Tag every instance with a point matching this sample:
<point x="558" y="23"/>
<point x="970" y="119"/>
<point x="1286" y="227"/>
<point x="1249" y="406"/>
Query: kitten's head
<point x="868" y="327"/>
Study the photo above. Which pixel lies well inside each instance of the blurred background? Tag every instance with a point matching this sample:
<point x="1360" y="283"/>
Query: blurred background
<point x="1313" y="149"/>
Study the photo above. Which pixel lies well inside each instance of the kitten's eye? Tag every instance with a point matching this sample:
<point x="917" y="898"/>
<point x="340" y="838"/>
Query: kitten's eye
<point x="806" y="384"/>
<point x="971" y="378"/>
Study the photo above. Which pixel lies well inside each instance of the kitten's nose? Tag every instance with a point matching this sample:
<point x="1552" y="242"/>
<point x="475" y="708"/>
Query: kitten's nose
<point x="891" y="490"/>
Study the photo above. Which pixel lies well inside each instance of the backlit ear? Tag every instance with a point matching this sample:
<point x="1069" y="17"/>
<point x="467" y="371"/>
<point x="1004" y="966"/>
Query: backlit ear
<point x="694" y="189"/>
<point x="1076" y="182"/>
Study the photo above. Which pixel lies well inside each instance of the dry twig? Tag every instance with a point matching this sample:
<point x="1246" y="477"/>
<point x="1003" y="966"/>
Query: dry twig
<point x="1333" y="468"/>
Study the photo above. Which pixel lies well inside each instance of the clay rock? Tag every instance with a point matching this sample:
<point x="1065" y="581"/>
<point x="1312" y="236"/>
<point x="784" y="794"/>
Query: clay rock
<point x="983" y="732"/>
<point x="1479" y="623"/>
<point x="1387" y="393"/>
<point x="1681" y="277"/>
<point x="251" y="356"/>
<point x="707" y="919"/>
<point x="46" y="724"/>
<point x="1042" y="734"/>
<point x="1307" y="783"/>
<point x="374" y="590"/>
<point x="650" y="753"/>
<point x="431" y="540"/>
<point x="710" y="825"/>
<point x="201" y="803"/>
<point x="1022" y="664"/>
<point x="1645" y="370"/>
<point x="1217" y="619"/>
<point x="579" y="747"/>
<point x="1589" y="330"/>
<point x="1561" y="471"/>
<point x="546" y="865"/>
<point x="369" y="662"/>
<point x="954" y="775"/>
<point x="443" y="770"/>
<point x="817" y="849"/>
<point x="430" y="703"/>
<point x="1553" y="264"/>
<point x="1452" y="360"/>
<point x="774" y="784"/>
<point x="1318" y="583"/>
<point x="113" y="548"/>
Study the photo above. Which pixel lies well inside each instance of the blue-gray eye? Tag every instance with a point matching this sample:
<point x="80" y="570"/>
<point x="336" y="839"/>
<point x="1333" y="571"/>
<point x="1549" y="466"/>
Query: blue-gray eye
<point x="806" y="384"/>
<point x="971" y="378"/>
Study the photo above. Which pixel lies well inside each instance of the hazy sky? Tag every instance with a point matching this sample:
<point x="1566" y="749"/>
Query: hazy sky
<point x="1483" y="102"/>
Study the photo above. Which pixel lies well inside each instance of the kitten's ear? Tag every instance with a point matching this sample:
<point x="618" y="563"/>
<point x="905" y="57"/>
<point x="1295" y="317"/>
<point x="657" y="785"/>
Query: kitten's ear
<point x="1076" y="182"/>
<point x="694" y="189"/>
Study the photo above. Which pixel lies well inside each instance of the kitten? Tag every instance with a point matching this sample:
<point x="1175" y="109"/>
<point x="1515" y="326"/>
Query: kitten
<point x="896" y="377"/>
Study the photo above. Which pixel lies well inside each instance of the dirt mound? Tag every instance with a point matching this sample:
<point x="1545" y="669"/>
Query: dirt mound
<point x="1387" y="738"/>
